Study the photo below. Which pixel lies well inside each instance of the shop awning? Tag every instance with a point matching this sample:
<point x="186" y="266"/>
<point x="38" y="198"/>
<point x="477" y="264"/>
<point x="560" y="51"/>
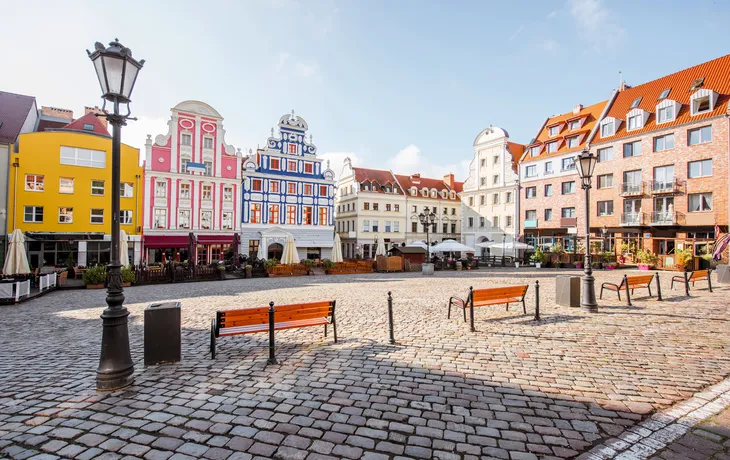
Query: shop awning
<point x="215" y="239"/>
<point x="165" y="241"/>
<point x="58" y="236"/>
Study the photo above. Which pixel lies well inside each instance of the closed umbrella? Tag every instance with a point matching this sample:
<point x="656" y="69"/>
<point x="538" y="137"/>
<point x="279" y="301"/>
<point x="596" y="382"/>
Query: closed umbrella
<point x="123" y="248"/>
<point x="337" y="250"/>
<point x="16" y="260"/>
<point x="381" y="248"/>
<point x="261" y="254"/>
<point x="289" y="256"/>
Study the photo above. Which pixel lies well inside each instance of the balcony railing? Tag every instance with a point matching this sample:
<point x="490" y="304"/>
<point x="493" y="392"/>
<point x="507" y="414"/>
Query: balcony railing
<point x="568" y="221"/>
<point x="531" y="223"/>
<point x="632" y="189"/>
<point x="665" y="218"/>
<point x="632" y="218"/>
<point x="660" y="187"/>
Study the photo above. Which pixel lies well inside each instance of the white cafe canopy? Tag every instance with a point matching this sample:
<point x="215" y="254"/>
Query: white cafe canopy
<point x="451" y="246"/>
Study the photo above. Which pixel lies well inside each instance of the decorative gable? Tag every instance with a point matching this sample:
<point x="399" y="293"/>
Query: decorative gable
<point x="636" y="119"/>
<point x="609" y="126"/>
<point x="702" y="101"/>
<point x="667" y="110"/>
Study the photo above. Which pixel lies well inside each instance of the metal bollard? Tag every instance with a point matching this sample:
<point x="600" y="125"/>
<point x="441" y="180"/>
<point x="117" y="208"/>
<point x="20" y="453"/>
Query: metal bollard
<point x="470" y="304"/>
<point x="686" y="284"/>
<point x="709" y="279"/>
<point x="628" y="291"/>
<point x="272" y="357"/>
<point x="658" y="287"/>
<point x="537" y="300"/>
<point x="390" y="319"/>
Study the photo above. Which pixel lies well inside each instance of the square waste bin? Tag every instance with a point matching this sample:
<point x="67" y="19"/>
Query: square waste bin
<point x="162" y="336"/>
<point x="723" y="274"/>
<point x="567" y="290"/>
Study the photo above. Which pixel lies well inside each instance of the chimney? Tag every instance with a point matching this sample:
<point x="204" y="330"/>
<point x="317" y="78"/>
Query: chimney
<point x="97" y="110"/>
<point x="577" y="109"/>
<point x="416" y="178"/>
<point x="63" y="114"/>
<point x="449" y="180"/>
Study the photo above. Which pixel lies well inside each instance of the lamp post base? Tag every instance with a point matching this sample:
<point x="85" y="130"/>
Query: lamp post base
<point x="116" y="369"/>
<point x="588" y="294"/>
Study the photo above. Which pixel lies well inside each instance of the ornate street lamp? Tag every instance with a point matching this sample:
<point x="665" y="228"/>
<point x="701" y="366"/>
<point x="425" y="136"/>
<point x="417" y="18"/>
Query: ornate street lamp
<point x="585" y="163"/>
<point x="117" y="72"/>
<point x="427" y="218"/>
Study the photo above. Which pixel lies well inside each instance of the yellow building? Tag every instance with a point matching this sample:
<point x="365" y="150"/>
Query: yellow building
<point x="60" y="194"/>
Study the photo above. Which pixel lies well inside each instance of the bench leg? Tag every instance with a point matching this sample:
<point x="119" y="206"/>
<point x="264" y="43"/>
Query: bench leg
<point x="524" y="309"/>
<point x="325" y="331"/>
<point x="709" y="279"/>
<point x="334" y="327"/>
<point x="463" y="308"/>
<point x="449" y="314"/>
<point x="649" y="288"/>
<point x="601" y="295"/>
<point x="212" y="339"/>
<point x="507" y="309"/>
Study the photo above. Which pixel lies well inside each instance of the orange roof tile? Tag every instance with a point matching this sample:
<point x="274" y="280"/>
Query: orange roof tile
<point x="89" y="119"/>
<point x="589" y="114"/>
<point x="516" y="150"/>
<point x="717" y="78"/>
<point x="382" y="177"/>
<point x="415" y="180"/>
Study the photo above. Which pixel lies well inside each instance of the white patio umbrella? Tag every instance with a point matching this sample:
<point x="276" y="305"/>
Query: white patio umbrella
<point x="261" y="254"/>
<point x="417" y="244"/>
<point x="289" y="256"/>
<point x="123" y="248"/>
<point x="451" y="246"/>
<point x="337" y="250"/>
<point x="487" y="244"/>
<point x="515" y="245"/>
<point x="16" y="260"/>
<point x="381" y="248"/>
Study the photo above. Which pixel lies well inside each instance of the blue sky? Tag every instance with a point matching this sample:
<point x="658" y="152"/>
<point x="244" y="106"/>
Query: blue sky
<point x="393" y="84"/>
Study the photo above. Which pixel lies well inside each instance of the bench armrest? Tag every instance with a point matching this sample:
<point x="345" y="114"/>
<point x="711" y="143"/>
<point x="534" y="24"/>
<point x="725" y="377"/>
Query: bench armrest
<point x="459" y="299"/>
<point x="611" y="284"/>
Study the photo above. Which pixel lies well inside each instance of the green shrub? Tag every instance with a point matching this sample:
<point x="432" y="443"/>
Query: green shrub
<point x="271" y="263"/>
<point x="538" y="256"/>
<point x="647" y="257"/>
<point x="128" y="275"/>
<point x="328" y="264"/>
<point x="308" y="262"/>
<point x="557" y="248"/>
<point x="95" y="275"/>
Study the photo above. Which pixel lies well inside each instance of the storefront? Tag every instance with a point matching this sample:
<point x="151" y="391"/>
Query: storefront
<point x="83" y="249"/>
<point x="208" y="248"/>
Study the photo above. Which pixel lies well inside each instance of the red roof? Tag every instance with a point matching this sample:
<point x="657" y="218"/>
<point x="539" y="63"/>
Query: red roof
<point x="14" y="110"/>
<point x="90" y="120"/>
<point x="716" y="74"/>
<point x="380" y="176"/>
<point x="415" y="180"/>
<point x="516" y="150"/>
<point x="458" y="187"/>
<point x="44" y="125"/>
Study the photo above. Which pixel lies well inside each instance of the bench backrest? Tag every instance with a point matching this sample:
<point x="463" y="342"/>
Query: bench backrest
<point x="639" y="280"/>
<point x="505" y="292"/>
<point x="260" y="315"/>
<point x="698" y="275"/>
<point x="242" y="317"/>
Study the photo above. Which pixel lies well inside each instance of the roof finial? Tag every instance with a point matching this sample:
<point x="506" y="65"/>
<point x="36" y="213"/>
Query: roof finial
<point x="272" y="132"/>
<point x="328" y="164"/>
<point x="310" y="138"/>
<point x="292" y="113"/>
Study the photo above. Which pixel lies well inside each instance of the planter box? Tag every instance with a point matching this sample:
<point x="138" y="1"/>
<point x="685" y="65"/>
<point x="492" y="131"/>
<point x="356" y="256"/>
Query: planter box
<point x="644" y="267"/>
<point x="609" y="267"/>
<point x="427" y="269"/>
<point x="95" y="286"/>
<point x="538" y="264"/>
<point x="126" y="284"/>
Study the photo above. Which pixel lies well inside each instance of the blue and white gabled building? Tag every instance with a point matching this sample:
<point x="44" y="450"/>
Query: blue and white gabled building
<point x="287" y="190"/>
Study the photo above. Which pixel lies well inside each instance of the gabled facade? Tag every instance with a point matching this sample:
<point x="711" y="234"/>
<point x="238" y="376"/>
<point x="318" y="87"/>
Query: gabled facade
<point x="288" y="190"/>
<point x="441" y="196"/>
<point x="551" y="202"/>
<point x="192" y="185"/>
<point x="489" y="201"/>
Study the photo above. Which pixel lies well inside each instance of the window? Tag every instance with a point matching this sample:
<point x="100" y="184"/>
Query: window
<point x="308" y="189"/>
<point x="495" y="160"/>
<point x="495" y="198"/>
<point x="636" y="102"/>
<point x="387" y="226"/>
<point x="548" y="190"/>
<point x="531" y="171"/>
<point x="632" y="149"/>
<point x="531" y="215"/>
<point x="699" y="135"/>
<point x="273" y="187"/>
<point x="308" y="168"/>
<point x="97" y="188"/>
<point x="207" y="192"/>
<point x="508" y="197"/>
<point x="292" y="148"/>
<point x="396" y="226"/>
<point x="88" y="127"/>
<point x="183" y="218"/>
<point x="375" y="206"/>
<point x="664" y="142"/>
<point x="66" y="185"/>
<point x="292" y="166"/>
<point x="534" y="151"/>
<point x="227" y="220"/>
<point x="323" y="213"/>
<point x="699" y="202"/>
<point x="186" y="139"/>
<point x="481" y="222"/>
<point x="700" y="105"/>
<point x="568" y="187"/>
<point x="548" y="167"/>
<point x="33" y="214"/>
<point x="126" y="190"/>
<point x="396" y="207"/>
<point x="65" y="215"/>
<point x="257" y="185"/>
<point x="375" y="225"/>
<point x="548" y="214"/>
<point x="573" y="142"/>
<point x="634" y="122"/>
<point x="388" y="207"/>
<point x="207" y="142"/>
<point x="484" y="162"/>
<point x="255" y="213"/>
<point x="605" y="154"/>
<point x="307" y="215"/>
<point x="83" y="157"/>
<point x="206" y="220"/>
<point x="275" y="164"/>
<point x="323" y="190"/>
<point x="453" y="211"/>
<point x="366" y="206"/>
<point x="495" y="179"/>
<point x="665" y="114"/>
<point x="567" y="212"/>
<point x="291" y="215"/>
<point x="184" y="165"/>
<point x="470" y="222"/>
<point x="159" y="217"/>
<point x="605" y="181"/>
<point x="530" y="192"/>
<point x="125" y="217"/>
<point x="605" y="208"/>
<point x="482" y="200"/>
<point x="34" y="183"/>
<point x="575" y="124"/>
<point x="509" y="221"/>
<point x="483" y="181"/>
<point x="552" y="147"/>
<point x="568" y="164"/>
<point x="554" y="130"/>
<point x="471" y="203"/>
<point x="663" y="178"/>
<point x="664" y="94"/>
<point x="292" y="188"/>
<point x="701" y="168"/>
<point x="607" y="128"/>
<point x="414" y="227"/>
<point x="495" y="221"/>
<point x="97" y="215"/>
<point x="185" y="191"/>
<point x="273" y="213"/>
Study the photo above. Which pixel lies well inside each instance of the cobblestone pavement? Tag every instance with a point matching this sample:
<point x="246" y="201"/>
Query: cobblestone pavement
<point x="515" y="389"/>
<point x="709" y="439"/>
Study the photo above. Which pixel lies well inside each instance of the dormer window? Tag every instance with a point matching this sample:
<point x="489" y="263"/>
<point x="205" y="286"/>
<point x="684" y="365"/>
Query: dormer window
<point x="634" y="122"/>
<point x="88" y="127"/>
<point x="664" y="94"/>
<point x="636" y="102"/>
<point x="666" y="113"/>
<point x="636" y="119"/>
<point x="552" y="147"/>
<point x="535" y="151"/>
<point x="554" y="130"/>
<point x="413" y="191"/>
<point x="702" y="101"/>
<point x="572" y="142"/>
<point x="575" y="124"/>
<point x="608" y="127"/>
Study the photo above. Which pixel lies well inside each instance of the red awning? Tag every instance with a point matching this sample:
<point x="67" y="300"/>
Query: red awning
<point x="165" y="241"/>
<point x="215" y="239"/>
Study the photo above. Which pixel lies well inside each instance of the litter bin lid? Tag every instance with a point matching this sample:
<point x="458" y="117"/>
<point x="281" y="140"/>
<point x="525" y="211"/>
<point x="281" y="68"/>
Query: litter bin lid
<point x="161" y="305"/>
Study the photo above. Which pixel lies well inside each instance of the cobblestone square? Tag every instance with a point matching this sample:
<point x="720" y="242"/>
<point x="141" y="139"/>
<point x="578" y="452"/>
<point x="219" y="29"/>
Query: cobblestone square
<point x="515" y="389"/>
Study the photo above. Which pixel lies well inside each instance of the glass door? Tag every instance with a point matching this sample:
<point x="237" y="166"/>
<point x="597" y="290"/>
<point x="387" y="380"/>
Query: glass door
<point x="663" y="210"/>
<point x="632" y="212"/>
<point x="663" y="178"/>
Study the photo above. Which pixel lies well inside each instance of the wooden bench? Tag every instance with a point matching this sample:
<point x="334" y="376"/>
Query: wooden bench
<point x="269" y="319"/>
<point x="699" y="275"/>
<point x="488" y="297"/>
<point x="629" y="283"/>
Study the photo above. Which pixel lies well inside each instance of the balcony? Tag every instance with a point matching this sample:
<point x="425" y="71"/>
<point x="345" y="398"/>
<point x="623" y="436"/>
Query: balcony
<point x="632" y="218"/>
<point x="664" y="188"/>
<point x="531" y="223"/>
<point x="568" y="222"/>
<point x="632" y="189"/>
<point x="350" y="234"/>
<point x="664" y="218"/>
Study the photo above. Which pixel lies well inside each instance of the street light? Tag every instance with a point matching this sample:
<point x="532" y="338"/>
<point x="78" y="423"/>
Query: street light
<point x="427" y="218"/>
<point x="586" y="162"/>
<point x="117" y="72"/>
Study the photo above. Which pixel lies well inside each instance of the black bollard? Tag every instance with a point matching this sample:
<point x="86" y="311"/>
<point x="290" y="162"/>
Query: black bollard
<point x="686" y="284"/>
<point x="658" y="287"/>
<point x="470" y="305"/>
<point x="537" y="300"/>
<point x="272" y="357"/>
<point x="628" y="291"/>
<point x="709" y="279"/>
<point x="390" y="319"/>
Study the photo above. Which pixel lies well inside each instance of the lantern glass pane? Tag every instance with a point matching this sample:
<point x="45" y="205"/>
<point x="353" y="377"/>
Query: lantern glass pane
<point x="100" y="74"/>
<point x="579" y="166"/>
<point x="114" y="68"/>
<point x="131" y="70"/>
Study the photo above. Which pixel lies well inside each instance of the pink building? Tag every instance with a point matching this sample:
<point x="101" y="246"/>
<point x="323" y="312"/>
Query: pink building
<point x="192" y="188"/>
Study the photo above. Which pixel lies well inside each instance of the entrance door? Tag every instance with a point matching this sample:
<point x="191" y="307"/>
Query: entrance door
<point x="35" y="258"/>
<point x="632" y="212"/>
<point x="275" y="250"/>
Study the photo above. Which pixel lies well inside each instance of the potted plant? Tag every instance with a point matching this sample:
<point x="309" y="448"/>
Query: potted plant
<point x="538" y="257"/>
<point x="558" y="250"/>
<point x="221" y="271"/>
<point x="647" y="259"/>
<point x="609" y="266"/>
<point x="95" y="277"/>
<point x="579" y="265"/>
<point x="270" y="263"/>
<point x="309" y="264"/>
<point x="684" y="259"/>
<point x="128" y="276"/>
<point x="328" y="265"/>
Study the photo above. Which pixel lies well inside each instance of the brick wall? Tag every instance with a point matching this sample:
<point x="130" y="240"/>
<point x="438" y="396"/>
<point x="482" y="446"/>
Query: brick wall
<point x="64" y="114"/>
<point x="555" y="202"/>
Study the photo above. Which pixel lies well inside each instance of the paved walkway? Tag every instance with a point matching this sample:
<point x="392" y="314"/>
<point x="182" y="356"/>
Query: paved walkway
<point x="515" y="389"/>
<point x="710" y="439"/>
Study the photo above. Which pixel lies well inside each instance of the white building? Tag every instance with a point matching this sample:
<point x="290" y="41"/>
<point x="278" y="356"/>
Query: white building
<point x="441" y="197"/>
<point x="490" y="199"/>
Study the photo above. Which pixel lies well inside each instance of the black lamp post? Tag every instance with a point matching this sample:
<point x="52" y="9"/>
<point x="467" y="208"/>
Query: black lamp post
<point x="427" y="218"/>
<point x="117" y="71"/>
<point x="586" y="162"/>
<point x="604" y="231"/>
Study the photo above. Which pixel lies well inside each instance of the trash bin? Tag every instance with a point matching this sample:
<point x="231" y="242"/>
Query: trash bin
<point x="427" y="269"/>
<point x="567" y="290"/>
<point x="723" y="274"/>
<point x="162" y="336"/>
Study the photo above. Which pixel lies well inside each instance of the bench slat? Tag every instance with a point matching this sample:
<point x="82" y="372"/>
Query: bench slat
<point x="300" y="306"/>
<point x="499" y="293"/>
<point x="484" y="303"/>
<point x="298" y="316"/>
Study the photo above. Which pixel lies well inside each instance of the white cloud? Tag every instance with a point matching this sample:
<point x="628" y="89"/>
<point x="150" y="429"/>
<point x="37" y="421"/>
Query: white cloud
<point x="516" y="33"/>
<point x="307" y="70"/>
<point x="301" y="68"/>
<point x="283" y="59"/>
<point x="552" y="14"/>
<point x="336" y="160"/>
<point x="597" y="24"/>
<point x="409" y="160"/>
<point x="549" y="45"/>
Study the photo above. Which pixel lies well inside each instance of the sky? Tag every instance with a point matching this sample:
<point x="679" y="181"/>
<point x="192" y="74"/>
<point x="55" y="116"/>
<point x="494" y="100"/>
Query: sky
<point x="402" y="85"/>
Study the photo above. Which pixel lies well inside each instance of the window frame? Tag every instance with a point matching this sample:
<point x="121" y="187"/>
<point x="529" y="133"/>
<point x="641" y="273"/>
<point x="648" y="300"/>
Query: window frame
<point x="663" y="138"/>
<point x="60" y="185"/>
<point x="34" y="214"/>
<point x="67" y="214"/>
<point x="701" y="163"/>
<point x="699" y="194"/>
<point x="35" y="182"/>
<point x="527" y="194"/>
<point x="103" y="188"/>
<point x="92" y="216"/>
<point x="571" y="190"/>
<point x="606" y="212"/>
<point x="699" y="130"/>
<point x="123" y="189"/>
<point x="123" y="213"/>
